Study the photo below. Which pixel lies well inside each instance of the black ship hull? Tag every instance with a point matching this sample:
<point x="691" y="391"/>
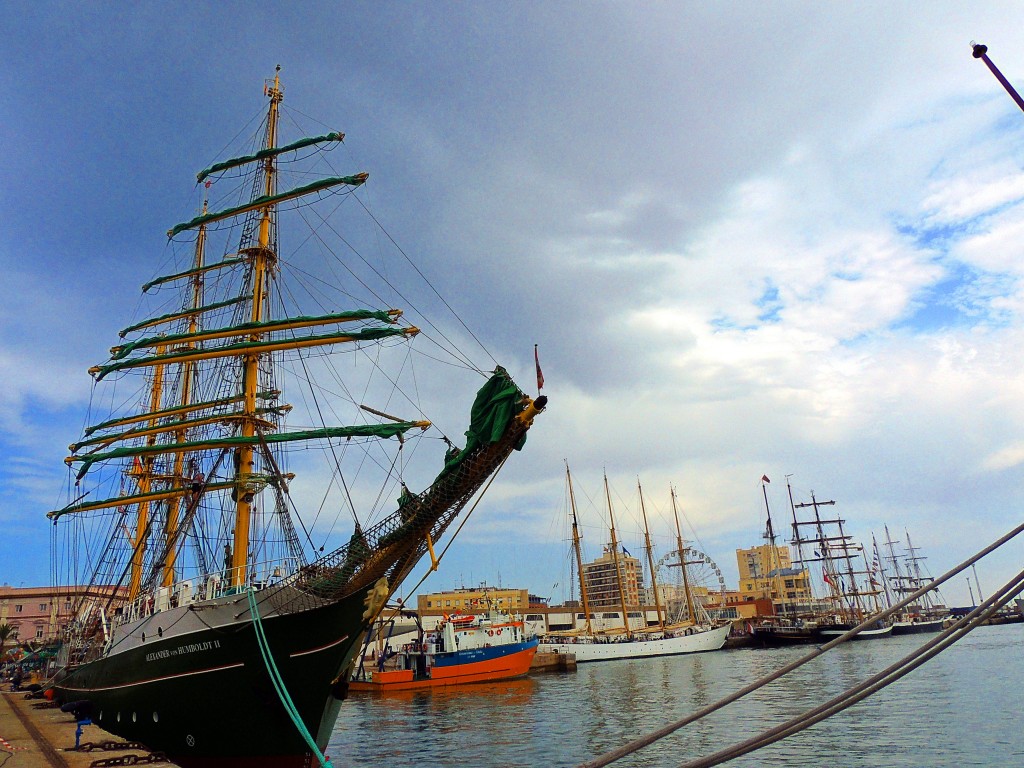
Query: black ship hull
<point x="917" y="627"/>
<point x="205" y="698"/>
<point x="777" y="637"/>
<point x="875" y="632"/>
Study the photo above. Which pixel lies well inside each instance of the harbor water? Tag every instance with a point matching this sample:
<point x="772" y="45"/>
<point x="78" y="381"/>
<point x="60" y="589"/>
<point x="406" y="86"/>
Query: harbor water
<point x="960" y="709"/>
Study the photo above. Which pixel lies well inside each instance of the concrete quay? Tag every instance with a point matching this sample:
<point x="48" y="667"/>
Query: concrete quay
<point x="45" y="738"/>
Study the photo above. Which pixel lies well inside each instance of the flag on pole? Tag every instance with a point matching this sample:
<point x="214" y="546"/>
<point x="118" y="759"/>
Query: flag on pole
<point x="764" y="479"/>
<point x="825" y="578"/>
<point x="540" y="374"/>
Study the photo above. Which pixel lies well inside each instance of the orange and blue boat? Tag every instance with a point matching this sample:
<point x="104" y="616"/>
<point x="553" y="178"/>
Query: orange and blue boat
<point x="462" y="649"/>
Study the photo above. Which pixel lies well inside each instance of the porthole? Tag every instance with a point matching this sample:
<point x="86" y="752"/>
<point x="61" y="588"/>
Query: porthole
<point x="156" y="717"/>
<point x="135" y="718"/>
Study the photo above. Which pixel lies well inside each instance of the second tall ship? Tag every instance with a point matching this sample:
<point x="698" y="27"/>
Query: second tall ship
<point x="694" y="633"/>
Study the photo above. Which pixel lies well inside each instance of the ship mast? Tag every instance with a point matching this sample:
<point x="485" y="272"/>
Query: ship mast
<point x="615" y="558"/>
<point x="263" y="259"/>
<point x="650" y="556"/>
<point x="579" y="555"/>
<point x="799" y="541"/>
<point x="143" y="470"/>
<point x="773" y="555"/>
<point x="187" y="382"/>
<point x="690" y="608"/>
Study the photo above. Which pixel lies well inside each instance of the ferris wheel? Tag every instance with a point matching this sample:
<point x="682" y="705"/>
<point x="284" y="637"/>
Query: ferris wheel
<point x="705" y="578"/>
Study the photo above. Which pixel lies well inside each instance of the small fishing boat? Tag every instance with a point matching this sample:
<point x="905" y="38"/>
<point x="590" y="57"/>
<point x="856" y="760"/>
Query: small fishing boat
<point x="462" y="649"/>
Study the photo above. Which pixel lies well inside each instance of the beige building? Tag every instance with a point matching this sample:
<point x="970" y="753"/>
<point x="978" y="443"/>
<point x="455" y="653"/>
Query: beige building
<point x="471" y="600"/>
<point x="767" y="572"/>
<point x="41" y="613"/>
<point x="603" y="585"/>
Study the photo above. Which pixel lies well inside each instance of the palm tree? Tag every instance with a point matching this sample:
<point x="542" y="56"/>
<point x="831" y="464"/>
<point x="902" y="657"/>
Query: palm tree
<point x="6" y="631"/>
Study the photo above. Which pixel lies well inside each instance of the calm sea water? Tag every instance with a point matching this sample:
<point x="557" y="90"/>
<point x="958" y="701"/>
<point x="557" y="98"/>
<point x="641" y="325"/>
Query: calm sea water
<point x="963" y="708"/>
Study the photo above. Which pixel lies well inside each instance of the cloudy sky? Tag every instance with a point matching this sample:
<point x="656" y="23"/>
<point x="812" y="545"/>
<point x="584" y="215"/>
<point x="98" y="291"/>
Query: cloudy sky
<point x="750" y="239"/>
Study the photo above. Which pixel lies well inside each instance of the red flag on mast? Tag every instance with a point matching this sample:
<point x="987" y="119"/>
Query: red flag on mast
<point x="540" y="374"/>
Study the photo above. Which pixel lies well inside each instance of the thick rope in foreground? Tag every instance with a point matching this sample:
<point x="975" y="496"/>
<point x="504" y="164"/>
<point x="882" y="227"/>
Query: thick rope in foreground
<point x="873" y="684"/>
<point x="644" y="741"/>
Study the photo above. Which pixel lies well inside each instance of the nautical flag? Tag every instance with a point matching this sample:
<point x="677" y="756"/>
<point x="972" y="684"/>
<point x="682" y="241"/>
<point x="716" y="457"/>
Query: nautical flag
<point x="625" y="551"/>
<point x="825" y="578"/>
<point x="764" y="479"/>
<point x="540" y="374"/>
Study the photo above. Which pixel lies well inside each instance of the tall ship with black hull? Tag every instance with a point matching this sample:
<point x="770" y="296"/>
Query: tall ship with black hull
<point x="229" y="635"/>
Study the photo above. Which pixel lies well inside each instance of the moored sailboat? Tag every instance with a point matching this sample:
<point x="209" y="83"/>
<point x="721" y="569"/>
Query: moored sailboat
<point x="695" y="634"/>
<point x="923" y="616"/>
<point x="223" y="641"/>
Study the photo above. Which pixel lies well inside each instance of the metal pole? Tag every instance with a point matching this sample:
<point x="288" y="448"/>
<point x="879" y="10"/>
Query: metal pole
<point x="981" y="52"/>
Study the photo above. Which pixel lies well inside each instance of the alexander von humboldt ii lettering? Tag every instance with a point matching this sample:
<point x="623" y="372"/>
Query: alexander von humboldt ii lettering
<point x="210" y="589"/>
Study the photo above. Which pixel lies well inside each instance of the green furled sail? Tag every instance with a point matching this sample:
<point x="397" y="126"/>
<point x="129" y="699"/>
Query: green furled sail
<point x="175" y="426"/>
<point x="496" y="404"/>
<point x="122" y="351"/>
<point x="180" y="314"/>
<point x="364" y="334"/>
<point x="265" y="153"/>
<point x="178" y="409"/>
<point x="268" y="200"/>
<point x="135" y="498"/>
<point x="193" y="272"/>
<point x="362" y="430"/>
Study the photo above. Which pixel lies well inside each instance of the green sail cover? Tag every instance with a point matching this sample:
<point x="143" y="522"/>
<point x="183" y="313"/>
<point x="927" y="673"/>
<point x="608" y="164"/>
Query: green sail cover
<point x="172" y="426"/>
<point x="363" y="334"/>
<point x="265" y="153"/>
<point x="496" y="404"/>
<point x="135" y="498"/>
<point x="270" y="395"/>
<point x="265" y="200"/>
<point x="362" y="430"/>
<point x="191" y="272"/>
<point x="182" y="313"/>
<point x="337" y="317"/>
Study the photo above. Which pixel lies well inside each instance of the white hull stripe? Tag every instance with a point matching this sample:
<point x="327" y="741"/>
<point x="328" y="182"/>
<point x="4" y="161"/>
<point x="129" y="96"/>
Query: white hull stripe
<point x="321" y="648"/>
<point x="153" y="680"/>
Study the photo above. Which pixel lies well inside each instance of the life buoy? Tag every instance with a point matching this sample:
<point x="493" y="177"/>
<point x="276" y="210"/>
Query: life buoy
<point x="499" y="631"/>
<point x="490" y="632"/>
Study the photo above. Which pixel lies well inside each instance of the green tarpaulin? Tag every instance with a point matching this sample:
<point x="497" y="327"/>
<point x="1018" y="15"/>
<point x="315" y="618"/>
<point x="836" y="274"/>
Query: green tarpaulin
<point x="265" y="153"/>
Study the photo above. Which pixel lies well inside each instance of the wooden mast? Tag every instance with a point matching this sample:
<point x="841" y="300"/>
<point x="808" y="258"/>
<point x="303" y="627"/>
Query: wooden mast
<point x="773" y="555"/>
<point x="615" y="559"/>
<point x="262" y="263"/>
<point x="690" y="609"/>
<point x="144" y="475"/>
<point x="650" y="556"/>
<point x="187" y="382"/>
<point x="579" y="555"/>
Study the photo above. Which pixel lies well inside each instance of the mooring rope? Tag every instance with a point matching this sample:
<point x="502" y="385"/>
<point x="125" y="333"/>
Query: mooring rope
<point x="275" y="678"/>
<point x="873" y="684"/>
<point x="647" y="740"/>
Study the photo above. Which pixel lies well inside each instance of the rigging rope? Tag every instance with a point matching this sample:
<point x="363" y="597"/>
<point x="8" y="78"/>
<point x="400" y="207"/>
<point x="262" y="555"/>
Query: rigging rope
<point x="873" y="684"/>
<point x="275" y="678"/>
<point x="647" y="740"/>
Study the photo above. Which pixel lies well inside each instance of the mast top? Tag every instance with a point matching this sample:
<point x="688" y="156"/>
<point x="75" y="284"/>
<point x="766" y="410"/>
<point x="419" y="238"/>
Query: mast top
<point x="275" y="91"/>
